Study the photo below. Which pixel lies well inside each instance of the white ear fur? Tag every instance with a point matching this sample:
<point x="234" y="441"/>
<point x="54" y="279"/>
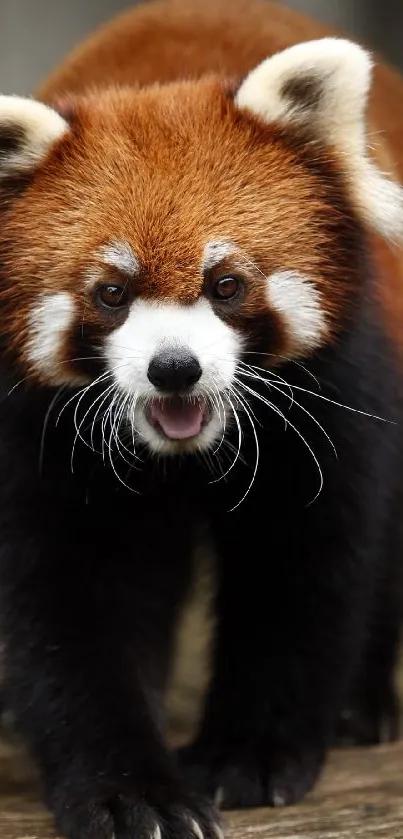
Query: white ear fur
<point x="324" y="85"/>
<point x="27" y="130"/>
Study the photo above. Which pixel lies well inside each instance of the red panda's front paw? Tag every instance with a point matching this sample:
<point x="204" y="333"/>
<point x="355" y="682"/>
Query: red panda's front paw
<point x="291" y="775"/>
<point x="252" y="777"/>
<point x="134" y="817"/>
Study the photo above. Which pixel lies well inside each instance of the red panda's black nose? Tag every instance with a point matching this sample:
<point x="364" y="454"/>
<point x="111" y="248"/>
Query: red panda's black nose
<point x="174" y="369"/>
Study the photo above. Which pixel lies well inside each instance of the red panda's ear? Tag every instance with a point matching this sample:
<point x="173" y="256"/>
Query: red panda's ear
<point x="323" y="86"/>
<point x="27" y="131"/>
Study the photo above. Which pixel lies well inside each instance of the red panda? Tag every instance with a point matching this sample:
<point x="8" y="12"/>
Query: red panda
<point x="201" y="320"/>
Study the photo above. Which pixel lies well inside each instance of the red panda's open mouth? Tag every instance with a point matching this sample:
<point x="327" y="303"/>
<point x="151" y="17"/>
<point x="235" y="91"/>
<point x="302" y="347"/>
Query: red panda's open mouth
<point x="178" y="418"/>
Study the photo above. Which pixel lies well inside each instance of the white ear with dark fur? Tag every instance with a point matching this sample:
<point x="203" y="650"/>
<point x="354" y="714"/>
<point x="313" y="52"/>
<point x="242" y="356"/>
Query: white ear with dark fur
<point x="324" y="85"/>
<point x="27" y="130"/>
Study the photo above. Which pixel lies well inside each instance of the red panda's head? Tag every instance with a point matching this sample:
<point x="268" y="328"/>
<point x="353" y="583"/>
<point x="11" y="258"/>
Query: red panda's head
<point x="157" y="237"/>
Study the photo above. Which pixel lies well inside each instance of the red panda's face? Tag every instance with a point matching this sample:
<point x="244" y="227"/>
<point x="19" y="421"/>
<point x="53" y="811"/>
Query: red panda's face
<point x="158" y="240"/>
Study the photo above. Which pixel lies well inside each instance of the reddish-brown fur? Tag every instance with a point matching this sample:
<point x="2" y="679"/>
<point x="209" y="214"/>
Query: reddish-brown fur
<point x="119" y="184"/>
<point x="157" y="42"/>
<point x="145" y="170"/>
<point x="162" y="42"/>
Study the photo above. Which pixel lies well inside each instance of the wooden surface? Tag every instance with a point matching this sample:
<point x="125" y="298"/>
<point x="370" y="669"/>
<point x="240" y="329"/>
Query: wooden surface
<point x="359" y="797"/>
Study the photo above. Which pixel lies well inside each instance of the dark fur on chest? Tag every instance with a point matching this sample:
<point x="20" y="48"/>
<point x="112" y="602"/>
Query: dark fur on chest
<point x="93" y="575"/>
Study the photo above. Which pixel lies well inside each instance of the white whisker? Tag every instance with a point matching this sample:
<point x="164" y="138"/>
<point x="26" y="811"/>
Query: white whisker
<point x="75" y="415"/>
<point x="109" y="446"/>
<point x="103" y="397"/>
<point x="119" y="412"/>
<point x="340" y="405"/>
<point x="248" y="369"/>
<point x="301" y="407"/>
<point x="77" y="394"/>
<point x="248" y="414"/>
<point x="238" y="424"/>
<point x="277" y="410"/>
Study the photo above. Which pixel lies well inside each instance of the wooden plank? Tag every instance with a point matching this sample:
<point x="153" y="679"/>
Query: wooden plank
<point x="359" y="797"/>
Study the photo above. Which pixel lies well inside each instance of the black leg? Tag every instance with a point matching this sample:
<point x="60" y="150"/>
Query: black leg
<point x="88" y="611"/>
<point x="294" y="598"/>
<point x="372" y="715"/>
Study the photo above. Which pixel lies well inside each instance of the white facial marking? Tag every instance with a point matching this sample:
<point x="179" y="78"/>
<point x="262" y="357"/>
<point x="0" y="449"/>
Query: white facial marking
<point x="38" y="125"/>
<point x="120" y="255"/>
<point x="215" y="251"/>
<point x="297" y="300"/>
<point x="153" y="326"/>
<point x="49" y="323"/>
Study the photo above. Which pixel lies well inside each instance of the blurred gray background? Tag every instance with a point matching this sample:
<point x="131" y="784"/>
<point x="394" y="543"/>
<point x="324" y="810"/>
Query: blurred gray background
<point x="36" y="34"/>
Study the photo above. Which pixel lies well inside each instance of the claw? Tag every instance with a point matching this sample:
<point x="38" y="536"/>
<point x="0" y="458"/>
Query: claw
<point x="219" y="797"/>
<point x="196" y="829"/>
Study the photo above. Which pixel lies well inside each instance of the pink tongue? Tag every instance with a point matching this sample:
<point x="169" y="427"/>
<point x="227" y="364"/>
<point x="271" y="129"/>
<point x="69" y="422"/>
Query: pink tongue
<point x="177" y="418"/>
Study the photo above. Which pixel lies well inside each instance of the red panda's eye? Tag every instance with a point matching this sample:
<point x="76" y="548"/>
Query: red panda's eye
<point x="113" y="296"/>
<point x="226" y="288"/>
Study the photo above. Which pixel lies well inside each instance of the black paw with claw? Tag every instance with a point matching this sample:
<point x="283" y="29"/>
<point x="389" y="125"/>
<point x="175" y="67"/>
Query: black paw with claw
<point x="251" y="776"/>
<point x="136" y="816"/>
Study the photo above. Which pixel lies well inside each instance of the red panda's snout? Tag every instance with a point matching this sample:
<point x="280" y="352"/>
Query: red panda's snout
<point x="176" y="365"/>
